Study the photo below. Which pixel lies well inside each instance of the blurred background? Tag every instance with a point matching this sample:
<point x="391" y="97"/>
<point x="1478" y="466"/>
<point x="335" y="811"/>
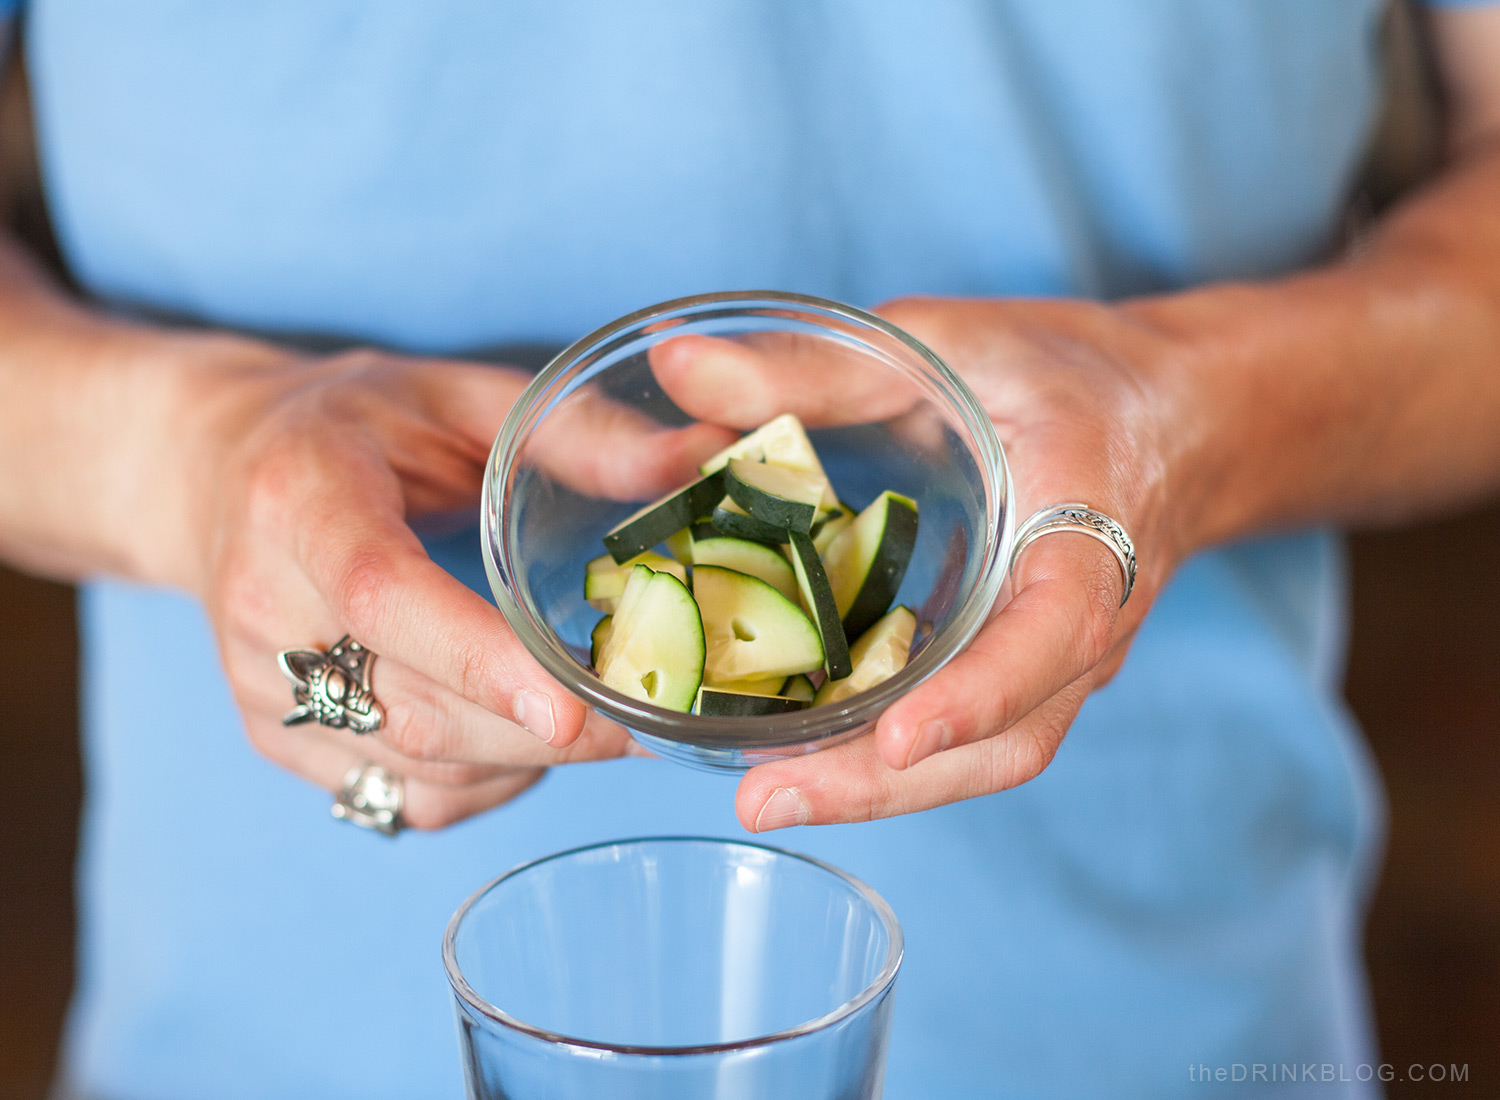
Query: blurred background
<point x="1423" y="678"/>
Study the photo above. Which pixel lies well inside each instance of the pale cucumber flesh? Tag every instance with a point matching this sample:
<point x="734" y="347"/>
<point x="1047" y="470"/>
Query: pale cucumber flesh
<point x="604" y="578"/>
<point x="751" y="631"/>
<point x="745" y="556"/>
<point x="782" y="441"/>
<point x="655" y="648"/>
<point x="880" y="653"/>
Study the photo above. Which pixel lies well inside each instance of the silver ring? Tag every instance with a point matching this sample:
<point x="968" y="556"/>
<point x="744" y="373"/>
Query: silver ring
<point x="332" y="687"/>
<point x="1083" y="520"/>
<point x="371" y="798"/>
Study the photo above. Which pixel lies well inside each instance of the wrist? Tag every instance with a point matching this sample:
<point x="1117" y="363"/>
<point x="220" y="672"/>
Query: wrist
<point x="194" y="396"/>
<point x="112" y="436"/>
<point x="1236" y="416"/>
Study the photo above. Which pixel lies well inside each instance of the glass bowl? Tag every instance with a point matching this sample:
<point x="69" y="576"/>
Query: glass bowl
<point x="940" y="449"/>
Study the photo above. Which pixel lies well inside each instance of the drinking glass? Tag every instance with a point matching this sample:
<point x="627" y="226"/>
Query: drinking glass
<point x="669" y="968"/>
<point x="938" y="447"/>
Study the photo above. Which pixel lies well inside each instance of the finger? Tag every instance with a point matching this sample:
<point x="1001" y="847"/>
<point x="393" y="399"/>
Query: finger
<point x="426" y="721"/>
<point x="263" y="698"/>
<point x="603" y="448"/>
<point x="589" y="442"/>
<point x="852" y="783"/>
<point x="379" y="584"/>
<point x="428" y="731"/>
<point x="746" y="381"/>
<point x="1059" y="624"/>
<point x="428" y="805"/>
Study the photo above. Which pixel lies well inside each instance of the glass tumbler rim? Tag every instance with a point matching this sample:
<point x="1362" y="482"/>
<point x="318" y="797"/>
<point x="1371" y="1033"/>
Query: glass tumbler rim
<point x="814" y="724"/>
<point x="872" y="989"/>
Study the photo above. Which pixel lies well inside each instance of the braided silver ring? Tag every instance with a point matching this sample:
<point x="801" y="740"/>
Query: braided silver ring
<point x="1083" y="520"/>
<point x="332" y="687"/>
<point x="371" y="798"/>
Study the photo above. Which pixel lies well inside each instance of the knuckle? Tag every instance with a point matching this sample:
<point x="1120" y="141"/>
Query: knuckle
<point x="1004" y="711"/>
<point x="1019" y="756"/>
<point x="358" y="363"/>
<point x="364" y="591"/>
<point x="880" y="794"/>
<point x="270" y="481"/>
<point x="415" y="729"/>
<point x="472" y="672"/>
<point x="1096" y="623"/>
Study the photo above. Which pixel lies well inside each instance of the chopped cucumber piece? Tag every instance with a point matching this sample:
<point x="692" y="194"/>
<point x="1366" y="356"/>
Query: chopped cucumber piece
<point x="751" y="630"/>
<point x="635" y="587"/>
<point x="599" y="636"/>
<point x="662" y="519"/>
<point x="745" y="556"/>
<point x="817" y="597"/>
<point x="881" y="652"/>
<point x="867" y="560"/>
<point x="782" y="442"/>
<point x="740" y="704"/>
<point x="680" y="546"/>
<point x="824" y="533"/>
<point x="761" y="531"/>
<point x="655" y="647"/>
<point x="800" y="687"/>
<point x="604" y="578"/>
<point x="764" y="685"/>
<point x="733" y="520"/>
<point x="777" y="495"/>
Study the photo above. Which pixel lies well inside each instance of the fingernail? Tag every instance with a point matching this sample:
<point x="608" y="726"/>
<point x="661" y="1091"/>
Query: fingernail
<point x="784" y="807"/>
<point x="534" y="712"/>
<point x="933" y="735"/>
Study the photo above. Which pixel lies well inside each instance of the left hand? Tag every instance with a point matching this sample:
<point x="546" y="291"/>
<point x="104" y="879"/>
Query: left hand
<point x="1077" y="394"/>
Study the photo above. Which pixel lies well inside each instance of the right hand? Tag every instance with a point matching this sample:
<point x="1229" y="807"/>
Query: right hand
<point x="298" y="480"/>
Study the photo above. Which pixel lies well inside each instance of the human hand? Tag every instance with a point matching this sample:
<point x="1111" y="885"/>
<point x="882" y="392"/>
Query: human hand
<point x="1073" y="391"/>
<point x="296" y="481"/>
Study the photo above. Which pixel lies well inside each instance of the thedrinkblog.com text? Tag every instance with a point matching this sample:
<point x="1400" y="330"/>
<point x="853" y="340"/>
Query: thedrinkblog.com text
<point x="1328" y="1072"/>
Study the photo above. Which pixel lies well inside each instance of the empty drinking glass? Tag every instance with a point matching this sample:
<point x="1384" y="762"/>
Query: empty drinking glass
<point x="673" y="967"/>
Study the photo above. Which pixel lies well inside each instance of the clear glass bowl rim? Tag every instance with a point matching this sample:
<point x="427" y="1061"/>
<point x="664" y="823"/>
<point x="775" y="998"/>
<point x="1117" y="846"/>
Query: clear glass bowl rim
<point x="873" y="989"/>
<point x="813" y="724"/>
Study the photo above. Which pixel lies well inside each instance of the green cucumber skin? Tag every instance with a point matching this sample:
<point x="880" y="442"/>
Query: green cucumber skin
<point x="597" y="637"/>
<point x="664" y="594"/>
<point x="734" y="704"/>
<point x="725" y="595"/>
<point x="603" y="587"/>
<point x="662" y="520"/>
<point x="883" y="581"/>
<point x="799" y="687"/>
<point x="747" y="527"/>
<point x="748" y="556"/>
<point x="825" y="613"/>
<point x="824" y="533"/>
<point x="770" y="509"/>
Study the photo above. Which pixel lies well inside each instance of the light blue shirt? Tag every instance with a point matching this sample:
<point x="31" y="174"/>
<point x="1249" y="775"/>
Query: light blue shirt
<point x="1182" y="888"/>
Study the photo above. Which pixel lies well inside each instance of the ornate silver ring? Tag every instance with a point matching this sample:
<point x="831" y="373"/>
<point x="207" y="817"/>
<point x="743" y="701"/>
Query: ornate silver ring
<point x="1082" y="520"/>
<point x="332" y="687"/>
<point x="371" y="798"/>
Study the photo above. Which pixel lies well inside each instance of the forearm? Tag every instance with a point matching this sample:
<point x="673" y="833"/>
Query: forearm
<point x="1367" y="391"/>
<point x="90" y="422"/>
